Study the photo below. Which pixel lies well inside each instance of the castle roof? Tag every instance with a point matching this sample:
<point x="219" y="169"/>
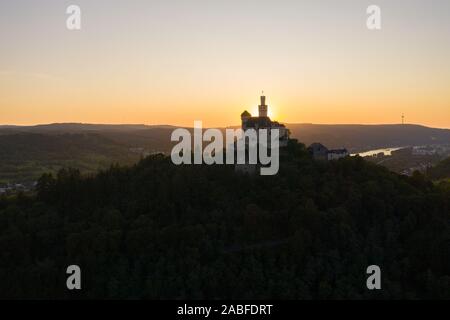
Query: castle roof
<point x="317" y="147"/>
<point x="260" y="122"/>
<point x="246" y="114"/>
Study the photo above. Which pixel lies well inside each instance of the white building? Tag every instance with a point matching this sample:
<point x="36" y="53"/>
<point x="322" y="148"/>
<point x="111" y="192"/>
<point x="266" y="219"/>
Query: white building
<point x="337" y="154"/>
<point x="320" y="152"/>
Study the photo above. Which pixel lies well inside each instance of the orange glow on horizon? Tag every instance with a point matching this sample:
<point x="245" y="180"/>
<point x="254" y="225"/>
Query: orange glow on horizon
<point x="168" y="63"/>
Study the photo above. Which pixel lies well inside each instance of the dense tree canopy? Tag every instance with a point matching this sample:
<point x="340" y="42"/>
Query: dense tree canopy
<point x="160" y="231"/>
<point x="441" y="170"/>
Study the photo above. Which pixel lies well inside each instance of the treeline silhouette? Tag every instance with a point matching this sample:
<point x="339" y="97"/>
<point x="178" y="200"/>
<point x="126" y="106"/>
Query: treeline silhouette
<point x="160" y="231"/>
<point x="440" y="171"/>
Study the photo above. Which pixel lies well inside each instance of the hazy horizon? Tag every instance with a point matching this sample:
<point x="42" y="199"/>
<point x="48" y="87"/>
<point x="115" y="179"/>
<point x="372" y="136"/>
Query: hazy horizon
<point x="224" y="126"/>
<point x="173" y="62"/>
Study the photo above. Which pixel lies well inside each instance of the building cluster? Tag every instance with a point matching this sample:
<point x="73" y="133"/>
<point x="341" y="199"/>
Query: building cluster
<point x="422" y="168"/>
<point x="262" y="121"/>
<point x="320" y="152"/>
<point x="12" y="188"/>
<point x="430" y="150"/>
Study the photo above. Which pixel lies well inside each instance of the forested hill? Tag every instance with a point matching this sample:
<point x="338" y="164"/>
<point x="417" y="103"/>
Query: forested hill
<point x="359" y="138"/>
<point x="161" y="231"/>
<point x="26" y="156"/>
<point x="441" y="170"/>
<point x="28" y="151"/>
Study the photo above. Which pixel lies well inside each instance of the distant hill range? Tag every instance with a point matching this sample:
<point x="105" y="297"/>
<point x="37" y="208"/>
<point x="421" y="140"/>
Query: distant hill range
<point x="359" y="138"/>
<point x="29" y="151"/>
<point x="356" y="138"/>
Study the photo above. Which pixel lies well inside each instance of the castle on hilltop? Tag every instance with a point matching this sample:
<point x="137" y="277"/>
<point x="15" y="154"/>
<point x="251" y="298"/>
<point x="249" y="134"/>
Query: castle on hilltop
<point x="262" y="121"/>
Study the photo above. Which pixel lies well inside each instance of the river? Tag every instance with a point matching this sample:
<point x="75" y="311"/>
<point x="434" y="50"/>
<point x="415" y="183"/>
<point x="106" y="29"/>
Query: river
<point x="386" y="151"/>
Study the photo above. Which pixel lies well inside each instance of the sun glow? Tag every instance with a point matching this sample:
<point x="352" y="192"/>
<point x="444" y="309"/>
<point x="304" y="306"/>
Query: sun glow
<point x="254" y="111"/>
<point x="270" y="112"/>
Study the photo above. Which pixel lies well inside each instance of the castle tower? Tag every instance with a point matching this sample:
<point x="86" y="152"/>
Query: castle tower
<point x="262" y="108"/>
<point x="244" y="117"/>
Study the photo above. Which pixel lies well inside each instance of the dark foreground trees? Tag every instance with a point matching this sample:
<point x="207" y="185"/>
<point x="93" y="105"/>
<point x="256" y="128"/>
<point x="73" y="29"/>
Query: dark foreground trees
<point x="161" y="231"/>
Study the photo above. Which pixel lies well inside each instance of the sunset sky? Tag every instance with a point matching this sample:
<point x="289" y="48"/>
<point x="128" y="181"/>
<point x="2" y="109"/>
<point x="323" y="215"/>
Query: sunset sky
<point x="173" y="62"/>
